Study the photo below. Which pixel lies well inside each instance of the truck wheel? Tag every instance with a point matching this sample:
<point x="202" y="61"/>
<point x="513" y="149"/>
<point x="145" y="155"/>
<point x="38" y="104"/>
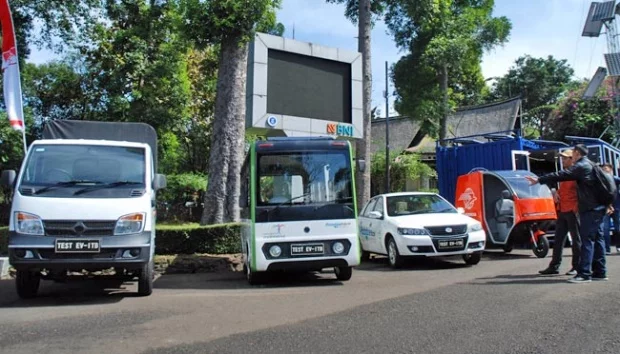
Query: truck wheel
<point x="343" y="273"/>
<point x="472" y="259"/>
<point x="145" y="281"/>
<point x="27" y="284"/>
<point x="395" y="259"/>
<point x="541" y="248"/>
<point x="254" y="278"/>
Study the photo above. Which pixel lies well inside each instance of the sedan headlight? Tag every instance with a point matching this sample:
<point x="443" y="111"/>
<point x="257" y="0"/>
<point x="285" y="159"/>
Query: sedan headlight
<point x="28" y="224"/>
<point x="412" y="231"/>
<point x="130" y="224"/>
<point x="474" y="227"/>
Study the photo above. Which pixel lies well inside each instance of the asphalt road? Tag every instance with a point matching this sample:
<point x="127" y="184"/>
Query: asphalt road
<point x="498" y="306"/>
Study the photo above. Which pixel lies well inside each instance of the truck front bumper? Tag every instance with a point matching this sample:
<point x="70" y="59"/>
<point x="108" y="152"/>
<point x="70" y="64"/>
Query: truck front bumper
<point x="27" y="252"/>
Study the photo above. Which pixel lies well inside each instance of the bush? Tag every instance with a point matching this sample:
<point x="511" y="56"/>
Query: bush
<point x="181" y="189"/>
<point x="193" y="238"/>
<point x="181" y="239"/>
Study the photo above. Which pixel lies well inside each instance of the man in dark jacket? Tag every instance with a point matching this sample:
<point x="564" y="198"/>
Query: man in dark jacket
<point x="613" y="215"/>
<point x="591" y="213"/>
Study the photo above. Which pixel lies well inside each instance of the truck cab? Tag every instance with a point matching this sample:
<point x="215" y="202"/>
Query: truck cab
<point x="81" y="203"/>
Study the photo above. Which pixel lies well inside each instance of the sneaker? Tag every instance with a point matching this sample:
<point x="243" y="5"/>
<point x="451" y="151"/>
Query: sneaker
<point x="549" y="271"/>
<point x="572" y="271"/>
<point x="600" y="278"/>
<point x="579" y="279"/>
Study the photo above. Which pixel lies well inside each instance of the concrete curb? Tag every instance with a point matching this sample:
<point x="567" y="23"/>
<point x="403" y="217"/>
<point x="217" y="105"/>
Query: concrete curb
<point x="4" y="267"/>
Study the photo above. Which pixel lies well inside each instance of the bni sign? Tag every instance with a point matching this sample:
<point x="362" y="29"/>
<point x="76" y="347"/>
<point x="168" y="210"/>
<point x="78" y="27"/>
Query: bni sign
<point x="340" y="129"/>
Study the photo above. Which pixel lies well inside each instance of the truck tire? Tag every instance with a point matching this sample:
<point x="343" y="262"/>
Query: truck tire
<point x="145" y="280"/>
<point x="27" y="284"/>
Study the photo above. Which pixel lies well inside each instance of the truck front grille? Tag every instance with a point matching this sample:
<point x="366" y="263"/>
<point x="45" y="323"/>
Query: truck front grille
<point x="79" y="228"/>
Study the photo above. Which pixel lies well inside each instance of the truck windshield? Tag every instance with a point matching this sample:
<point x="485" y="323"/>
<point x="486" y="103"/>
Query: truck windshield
<point x="74" y="165"/>
<point x="309" y="185"/>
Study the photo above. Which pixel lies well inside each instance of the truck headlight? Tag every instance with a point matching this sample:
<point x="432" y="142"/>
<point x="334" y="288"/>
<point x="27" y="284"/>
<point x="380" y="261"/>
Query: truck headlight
<point x="474" y="227"/>
<point x="412" y="231"/>
<point x="275" y="251"/>
<point x="129" y="224"/>
<point x="28" y="224"/>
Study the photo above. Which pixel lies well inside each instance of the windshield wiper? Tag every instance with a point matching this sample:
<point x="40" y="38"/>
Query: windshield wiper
<point x="445" y="210"/>
<point x="289" y="201"/>
<point x="106" y="185"/>
<point x="66" y="184"/>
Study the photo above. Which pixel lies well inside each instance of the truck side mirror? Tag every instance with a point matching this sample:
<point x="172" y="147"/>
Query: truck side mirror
<point x="361" y="165"/>
<point x="8" y="178"/>
<point x="159" y="182"/>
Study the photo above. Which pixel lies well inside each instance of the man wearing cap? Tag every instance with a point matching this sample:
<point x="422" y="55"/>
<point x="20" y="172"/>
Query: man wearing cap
<point x="591" y="213"/>
<point x="568" y="221"/>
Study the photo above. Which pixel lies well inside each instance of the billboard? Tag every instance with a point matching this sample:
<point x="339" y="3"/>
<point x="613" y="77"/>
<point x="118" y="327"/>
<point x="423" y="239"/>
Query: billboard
<point x="297" y="88"/>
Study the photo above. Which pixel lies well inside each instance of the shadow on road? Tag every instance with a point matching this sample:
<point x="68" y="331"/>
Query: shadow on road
<point x="70" y="293"/>
<point x="380" y="264"/>
<point x="236" y="280"/>
<point x="520" y="279"/>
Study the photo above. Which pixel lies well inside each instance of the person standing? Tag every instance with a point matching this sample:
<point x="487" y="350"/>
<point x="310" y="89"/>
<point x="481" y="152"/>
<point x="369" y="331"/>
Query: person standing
<point x="591" y="213"/>
<point x="612" y="215"/>
<point x="568" y="221"/>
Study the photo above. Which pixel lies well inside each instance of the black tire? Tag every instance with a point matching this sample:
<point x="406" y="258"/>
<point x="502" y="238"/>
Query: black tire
<point x="145" y="280"/>
<point x="365" y="256"/>
<point x="394" y="257"/>
<point x="343" y="273"/>
<point x="27" y="284"/>
<point x="508" y="248"/>
<point x="473" y="258"/>
<point x="541" y="248"/>
<point x="254" y="278"/>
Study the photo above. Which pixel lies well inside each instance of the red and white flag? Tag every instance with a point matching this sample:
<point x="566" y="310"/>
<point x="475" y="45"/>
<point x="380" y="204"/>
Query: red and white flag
<point x="10" y="69"/>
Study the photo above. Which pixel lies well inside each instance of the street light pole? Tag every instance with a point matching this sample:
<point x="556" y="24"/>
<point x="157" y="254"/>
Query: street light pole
<point x="387" y="133"/>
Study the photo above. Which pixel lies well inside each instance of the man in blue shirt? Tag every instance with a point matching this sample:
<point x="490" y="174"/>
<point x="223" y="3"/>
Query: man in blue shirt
<point x="615" y="216"/>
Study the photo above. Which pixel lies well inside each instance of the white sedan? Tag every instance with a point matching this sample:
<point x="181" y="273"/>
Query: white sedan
<point x="418" y="224"/>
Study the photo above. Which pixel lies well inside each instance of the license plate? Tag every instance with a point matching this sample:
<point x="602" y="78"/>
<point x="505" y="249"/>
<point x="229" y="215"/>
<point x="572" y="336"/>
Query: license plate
<point x="306" y="249"/>
<point x="77" y="246"/>
<point x="451" y="244"/>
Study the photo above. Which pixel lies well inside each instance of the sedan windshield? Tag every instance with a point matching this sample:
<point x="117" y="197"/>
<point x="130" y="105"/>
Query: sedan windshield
<point x="417" y="204"/>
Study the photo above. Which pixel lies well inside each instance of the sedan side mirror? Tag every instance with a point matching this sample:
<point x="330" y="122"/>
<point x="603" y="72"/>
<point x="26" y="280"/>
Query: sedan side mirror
<point x="159" y="182"/>
<point x="375" y="215"/>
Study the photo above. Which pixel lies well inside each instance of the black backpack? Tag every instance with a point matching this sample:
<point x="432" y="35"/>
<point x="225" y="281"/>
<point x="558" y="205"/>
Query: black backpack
<point x="604" y="185"/>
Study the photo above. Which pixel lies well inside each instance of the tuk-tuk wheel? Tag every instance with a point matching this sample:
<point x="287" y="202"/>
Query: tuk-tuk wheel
<point x="541" y="248"/>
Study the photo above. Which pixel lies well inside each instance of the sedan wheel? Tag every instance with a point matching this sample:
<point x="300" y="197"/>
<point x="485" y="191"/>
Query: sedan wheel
<point x="395" y="259"/>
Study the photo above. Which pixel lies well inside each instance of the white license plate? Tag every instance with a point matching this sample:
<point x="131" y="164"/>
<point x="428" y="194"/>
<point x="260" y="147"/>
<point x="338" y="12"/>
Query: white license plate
<point x="307" y="249"/>
<point x="77" y="246"/>
<point x="451" y="244"/>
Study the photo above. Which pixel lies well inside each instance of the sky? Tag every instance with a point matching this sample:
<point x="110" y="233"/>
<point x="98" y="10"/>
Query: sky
<point x="539" y="28"/>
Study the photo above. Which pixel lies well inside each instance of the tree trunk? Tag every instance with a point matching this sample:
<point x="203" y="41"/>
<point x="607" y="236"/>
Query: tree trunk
<point x="443" y="122"/>
<point x="228" y="130"/>
<point x="362" y="149"/>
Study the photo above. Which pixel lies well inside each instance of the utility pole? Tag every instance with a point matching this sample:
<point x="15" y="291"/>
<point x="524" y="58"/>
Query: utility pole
<point x="387" y="133"/>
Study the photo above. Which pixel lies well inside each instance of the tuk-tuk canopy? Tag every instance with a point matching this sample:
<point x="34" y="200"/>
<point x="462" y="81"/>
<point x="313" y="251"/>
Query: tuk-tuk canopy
<point x="521" y="186"/>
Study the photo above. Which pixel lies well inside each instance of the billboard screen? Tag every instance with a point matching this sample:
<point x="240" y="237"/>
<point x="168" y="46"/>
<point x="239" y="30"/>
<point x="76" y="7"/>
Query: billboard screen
<point x="306" y="86"/>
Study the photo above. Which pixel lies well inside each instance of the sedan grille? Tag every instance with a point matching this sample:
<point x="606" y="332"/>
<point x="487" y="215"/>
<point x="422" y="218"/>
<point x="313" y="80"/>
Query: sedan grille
<point x="447" y="230"/>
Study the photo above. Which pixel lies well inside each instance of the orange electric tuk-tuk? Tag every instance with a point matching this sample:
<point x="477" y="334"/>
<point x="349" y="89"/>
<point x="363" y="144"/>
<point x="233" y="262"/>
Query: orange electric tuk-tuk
<point x="511" y="210"/>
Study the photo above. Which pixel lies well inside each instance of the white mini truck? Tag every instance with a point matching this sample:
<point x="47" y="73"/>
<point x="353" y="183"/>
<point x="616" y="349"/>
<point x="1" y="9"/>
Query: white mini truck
<point x="84" y="199"/>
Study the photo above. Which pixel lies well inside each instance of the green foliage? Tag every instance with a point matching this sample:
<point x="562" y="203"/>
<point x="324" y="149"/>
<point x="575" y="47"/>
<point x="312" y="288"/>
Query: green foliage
<point x="377" y="7"/>
<point x="216" y="21"/>
<point x="440" y="34"/>
<point x="402" y="168"/>
<point x="541" y="82"/>
<point x="582" y="117"/>
<point x="192" y="238"/>
<point x="4" y="240"/>
<point x="181" y="188"/>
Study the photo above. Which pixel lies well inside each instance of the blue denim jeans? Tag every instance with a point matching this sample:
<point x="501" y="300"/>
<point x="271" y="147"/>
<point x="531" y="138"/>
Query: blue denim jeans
<point x="607" y="228"/>
<point x="592" y="244"/>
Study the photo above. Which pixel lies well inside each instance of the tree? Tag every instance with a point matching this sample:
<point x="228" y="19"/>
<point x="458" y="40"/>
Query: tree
<point x="360" y="11"/>
<point x="231" y="24"/>
<point x="403" y="168"/>
<point x="446" y="40"/>
<point x="541" y="82"/>
<point x="574" y="115"/>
